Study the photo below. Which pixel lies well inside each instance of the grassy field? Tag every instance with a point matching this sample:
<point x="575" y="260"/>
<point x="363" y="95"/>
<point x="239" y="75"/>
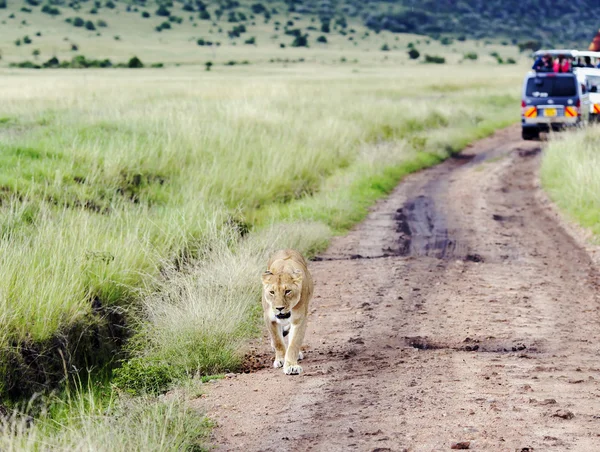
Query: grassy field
<point x="138" y="207"/>
<point x="126" y="33"/>
<point x="570" y="174"/>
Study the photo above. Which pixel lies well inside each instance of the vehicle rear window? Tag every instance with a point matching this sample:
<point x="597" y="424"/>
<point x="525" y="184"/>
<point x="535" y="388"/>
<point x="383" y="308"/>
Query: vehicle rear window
<point x="551" y="87"/>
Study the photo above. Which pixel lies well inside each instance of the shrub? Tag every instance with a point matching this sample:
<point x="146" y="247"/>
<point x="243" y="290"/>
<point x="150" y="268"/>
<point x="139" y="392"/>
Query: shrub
<point x="135" y="63"/>
<point x="27" y="40"/>
<point x="90" y="25"/>
<point x="78" y="22"/>
<point x="322" y="39"/>
<point x="110" y="4"/>
<point x="36" y="53"/>
<point x="93" y="11"/>
<point x="413" y="54"/>
<point x="25" y="10"/>
<point x="258" y="8"/>
<point x="17" y="42"/>
<point x="157" y="65"/>
<point x="189" y="7"/>
<point x="51" y="63"/>
<point x="534" y="46"/>
<point x="145" y="14"/>
<point x="385" y="48"/>
<point x="325" y="27"/>
<point x="102" y="23"/>
<point x="511" y="61"/>
<point x="2" y="4"/>
<point x="434" y="59"/>
<point x="204" y="15"/>
<point x="300" y="41"/>
<point x="141" y="376"/>
<point x="163" y="11"/>
<point x="470" y="56"/>
<point x="446" y="41"/>
<point x="250" y="41"/>
<point x="208" y="65"/>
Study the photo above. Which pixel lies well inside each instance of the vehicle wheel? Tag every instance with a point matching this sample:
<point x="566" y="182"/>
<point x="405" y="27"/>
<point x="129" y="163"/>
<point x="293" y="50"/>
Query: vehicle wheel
<point x="529" y="134"/>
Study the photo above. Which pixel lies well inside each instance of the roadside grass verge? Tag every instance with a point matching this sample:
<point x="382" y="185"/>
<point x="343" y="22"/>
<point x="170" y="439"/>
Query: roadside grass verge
<point x="141" y="210"/>
<point x="570" y="173"/>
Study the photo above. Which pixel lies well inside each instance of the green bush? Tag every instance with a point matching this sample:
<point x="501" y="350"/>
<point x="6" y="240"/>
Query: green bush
<point x="141" y="376"/>
<point x="385" y="48"/>
<point x="145" y="14"/>
<point x="204" y="15"/>
<point x="78" y="22"/>
<point x="2" y="4"/>
<point x="413" y="54"/>
<point x="434" y="59"/>
<point x="250" y="41"/>
<point x="89" y="25"/>
<point x="27" y="40"/>
<point x="322" y="39"/>
<point x="163" y="11"/>
<point x="446" y="41"/>
<point x="300" y="41"/>
<point x="511" y="61"/>
<point x="102" y="23"/>
<point x="25" y="10"/>
<point x="135" y="63"/>
<point x="470" y="56"/>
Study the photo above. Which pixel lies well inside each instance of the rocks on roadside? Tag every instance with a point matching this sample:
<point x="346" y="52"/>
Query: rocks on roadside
<point x="564" y="414"/>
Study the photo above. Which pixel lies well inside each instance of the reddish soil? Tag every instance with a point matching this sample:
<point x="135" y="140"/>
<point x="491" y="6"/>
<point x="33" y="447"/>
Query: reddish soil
<point x="459" y="315"/>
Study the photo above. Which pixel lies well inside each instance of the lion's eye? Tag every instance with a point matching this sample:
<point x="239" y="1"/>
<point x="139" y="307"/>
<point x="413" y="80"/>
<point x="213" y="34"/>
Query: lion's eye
<point x="272" y="292"/>
<point x="287" y="292"/>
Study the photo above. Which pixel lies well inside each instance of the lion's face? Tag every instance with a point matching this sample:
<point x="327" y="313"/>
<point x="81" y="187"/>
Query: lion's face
<point x="282" y="292"/>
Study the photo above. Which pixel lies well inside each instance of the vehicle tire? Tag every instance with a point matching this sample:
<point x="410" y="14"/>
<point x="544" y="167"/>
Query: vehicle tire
<point x="530" y="134"/>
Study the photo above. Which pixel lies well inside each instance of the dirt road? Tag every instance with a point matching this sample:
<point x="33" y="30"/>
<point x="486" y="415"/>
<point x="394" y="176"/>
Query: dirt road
<point x="459" y="311"/>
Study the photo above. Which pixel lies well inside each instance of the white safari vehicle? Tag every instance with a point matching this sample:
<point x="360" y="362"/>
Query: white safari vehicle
<point x="591" y="78"/>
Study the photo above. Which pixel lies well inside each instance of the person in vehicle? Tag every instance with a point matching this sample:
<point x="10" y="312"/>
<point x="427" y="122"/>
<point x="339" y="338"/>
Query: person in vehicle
<point x="543" y="63"/>
<point x="561" y="64"/>
<point x="587" y="62"/>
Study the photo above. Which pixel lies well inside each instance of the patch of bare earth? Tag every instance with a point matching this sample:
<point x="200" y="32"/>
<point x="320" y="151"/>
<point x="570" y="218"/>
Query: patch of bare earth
<point x="459" y="314"/>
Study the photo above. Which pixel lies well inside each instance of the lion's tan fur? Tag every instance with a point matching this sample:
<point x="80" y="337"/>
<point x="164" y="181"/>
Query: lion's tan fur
<point x="287" y="284"/>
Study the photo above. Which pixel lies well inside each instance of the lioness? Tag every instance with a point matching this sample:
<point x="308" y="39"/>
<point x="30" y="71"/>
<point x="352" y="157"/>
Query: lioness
<point x="287" y="289"/>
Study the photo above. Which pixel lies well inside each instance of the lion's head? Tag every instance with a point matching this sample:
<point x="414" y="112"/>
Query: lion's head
<point x="282" y="292"/>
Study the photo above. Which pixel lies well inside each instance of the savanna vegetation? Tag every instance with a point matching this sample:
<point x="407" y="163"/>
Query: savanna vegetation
<point x="570" y="175"/>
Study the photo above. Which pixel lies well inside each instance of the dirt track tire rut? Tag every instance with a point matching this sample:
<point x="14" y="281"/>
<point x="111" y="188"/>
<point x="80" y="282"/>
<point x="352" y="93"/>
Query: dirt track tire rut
<point x="459" y="310"/>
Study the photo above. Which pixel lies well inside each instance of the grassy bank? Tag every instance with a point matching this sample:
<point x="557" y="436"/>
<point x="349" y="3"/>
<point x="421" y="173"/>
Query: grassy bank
<point x="143" y="205"/>
<point x="570" y="174"/>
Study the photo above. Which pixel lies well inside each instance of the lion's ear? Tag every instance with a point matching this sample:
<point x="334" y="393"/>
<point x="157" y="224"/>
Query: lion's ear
<point x="265" y="277"/>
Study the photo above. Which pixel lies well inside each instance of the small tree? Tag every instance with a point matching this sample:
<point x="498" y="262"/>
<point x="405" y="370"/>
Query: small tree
<point x="208" y="65"/>
<point x="414" y="54"/>
<point x="135" y="63"/>
<point x="36" y="53"/>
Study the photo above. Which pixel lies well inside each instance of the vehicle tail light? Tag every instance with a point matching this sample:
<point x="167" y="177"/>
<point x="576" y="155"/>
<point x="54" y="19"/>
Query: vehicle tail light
<point x="578" y="107"/>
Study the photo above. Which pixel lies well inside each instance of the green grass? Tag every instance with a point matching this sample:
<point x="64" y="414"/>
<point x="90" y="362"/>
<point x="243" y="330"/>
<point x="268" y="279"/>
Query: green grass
<point x="570" y="174"/>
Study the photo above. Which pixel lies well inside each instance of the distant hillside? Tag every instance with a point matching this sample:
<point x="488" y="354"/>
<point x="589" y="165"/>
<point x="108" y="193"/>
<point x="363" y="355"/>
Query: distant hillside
<point x="189" y="31"/>
<point x="548" y="21"/>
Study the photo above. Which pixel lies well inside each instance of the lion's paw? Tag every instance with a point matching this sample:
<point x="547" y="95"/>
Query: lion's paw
<point x="292" y="370"/>
<point x="278" y="363"/>
<point x="300" y="356"/>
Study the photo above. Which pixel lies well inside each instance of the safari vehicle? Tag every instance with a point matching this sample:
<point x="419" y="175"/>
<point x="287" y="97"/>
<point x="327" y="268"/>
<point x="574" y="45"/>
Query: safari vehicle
<point x="591" y="78"/>
<point x="552" y="101"/>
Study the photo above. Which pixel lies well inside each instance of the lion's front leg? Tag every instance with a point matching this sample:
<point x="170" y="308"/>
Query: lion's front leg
<point x="276" y="342"/>
<point x="291" y="366"/>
